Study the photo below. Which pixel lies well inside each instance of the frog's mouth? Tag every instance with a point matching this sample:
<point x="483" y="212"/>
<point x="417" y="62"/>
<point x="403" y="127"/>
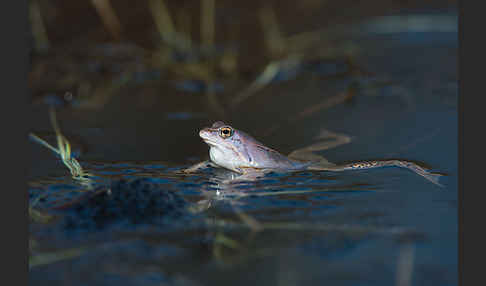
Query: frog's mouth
<point x="210" y="143"/>
<point x="205" y="137"/>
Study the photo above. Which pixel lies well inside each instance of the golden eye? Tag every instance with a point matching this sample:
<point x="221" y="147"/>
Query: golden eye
<point x="225" y="132"/>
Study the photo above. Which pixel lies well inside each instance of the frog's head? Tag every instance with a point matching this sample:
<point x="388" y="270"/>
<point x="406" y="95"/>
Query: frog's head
<point x="236" y="150"/>
<point x="228" y="147"/>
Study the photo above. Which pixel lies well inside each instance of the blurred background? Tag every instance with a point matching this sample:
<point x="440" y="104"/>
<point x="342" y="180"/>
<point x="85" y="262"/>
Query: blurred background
<point x="256" y="64"/>
<point x="136" y="80"/>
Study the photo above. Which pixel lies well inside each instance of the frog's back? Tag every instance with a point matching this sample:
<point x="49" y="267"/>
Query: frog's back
<point x="263" y="157"/>
<point x="237" y="151"/>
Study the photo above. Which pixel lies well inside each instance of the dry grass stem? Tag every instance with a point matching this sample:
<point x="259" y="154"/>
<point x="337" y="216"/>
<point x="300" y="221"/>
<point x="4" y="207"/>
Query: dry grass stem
<point x="184" y="26"/>
<point x="165" y="25"/>
<point x="108" y="17"/>
<point x="274" y="40"/>
<point x="41" y="40"/>
<point x="265" y="78"/>
<point x="64" y="151"/>
<point x="207" y="22"/>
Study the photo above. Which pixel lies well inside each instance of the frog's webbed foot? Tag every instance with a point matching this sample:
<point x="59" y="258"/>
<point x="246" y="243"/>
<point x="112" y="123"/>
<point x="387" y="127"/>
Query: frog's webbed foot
<point x="199" y="166"/>
<point x="331" y="140"/>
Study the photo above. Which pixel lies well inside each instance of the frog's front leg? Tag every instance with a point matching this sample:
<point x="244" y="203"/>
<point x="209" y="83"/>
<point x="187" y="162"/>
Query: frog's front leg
<point x="331" y="140"/>
<point x="199" y="166"/>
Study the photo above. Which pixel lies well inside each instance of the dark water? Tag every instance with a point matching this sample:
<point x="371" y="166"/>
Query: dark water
<point x="370" y="227"/>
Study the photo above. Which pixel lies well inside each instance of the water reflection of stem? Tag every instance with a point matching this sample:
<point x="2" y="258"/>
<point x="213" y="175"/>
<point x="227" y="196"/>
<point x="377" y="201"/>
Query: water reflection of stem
<point x="48" y="258"/>
<point x="221" y="240"/>
<point x="349" y="188"/>
<point x="226" y="241"/>
<point x="254" y="225"/>
<point x="357" y="229"/>
<point x="36" y="215"/>
<point x="405" y="265"/>
<point x="298" y="192"/>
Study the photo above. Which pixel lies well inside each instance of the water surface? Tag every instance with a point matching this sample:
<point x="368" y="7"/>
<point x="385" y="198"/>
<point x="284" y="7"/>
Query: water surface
<point x="369" y="227"/>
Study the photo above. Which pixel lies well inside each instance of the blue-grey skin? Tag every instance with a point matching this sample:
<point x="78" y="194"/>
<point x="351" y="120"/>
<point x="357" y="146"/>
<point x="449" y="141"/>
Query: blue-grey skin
<point x="237" y="151"/>
<point x="241" y="153"/>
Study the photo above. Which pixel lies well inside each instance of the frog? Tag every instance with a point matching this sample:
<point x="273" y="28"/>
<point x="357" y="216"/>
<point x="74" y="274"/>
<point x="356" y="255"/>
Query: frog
<point x="239" y="152"/>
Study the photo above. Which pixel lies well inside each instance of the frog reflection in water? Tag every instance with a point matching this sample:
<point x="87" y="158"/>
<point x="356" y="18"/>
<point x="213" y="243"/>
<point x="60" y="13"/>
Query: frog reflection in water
<point x="237" y="151"/>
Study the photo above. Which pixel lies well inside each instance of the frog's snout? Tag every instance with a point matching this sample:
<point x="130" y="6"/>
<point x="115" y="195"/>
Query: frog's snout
<point x="203" y="133"/>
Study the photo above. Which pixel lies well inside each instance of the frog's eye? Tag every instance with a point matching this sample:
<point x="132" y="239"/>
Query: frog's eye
<point x="225" y="132"/>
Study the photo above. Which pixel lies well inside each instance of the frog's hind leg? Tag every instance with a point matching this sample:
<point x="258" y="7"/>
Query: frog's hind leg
<point x="432" y="177"/>
<point x="332" y="140"/>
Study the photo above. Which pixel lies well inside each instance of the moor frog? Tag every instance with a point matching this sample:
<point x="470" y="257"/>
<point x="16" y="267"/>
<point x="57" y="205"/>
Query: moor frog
<point x="237" y="151"/>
